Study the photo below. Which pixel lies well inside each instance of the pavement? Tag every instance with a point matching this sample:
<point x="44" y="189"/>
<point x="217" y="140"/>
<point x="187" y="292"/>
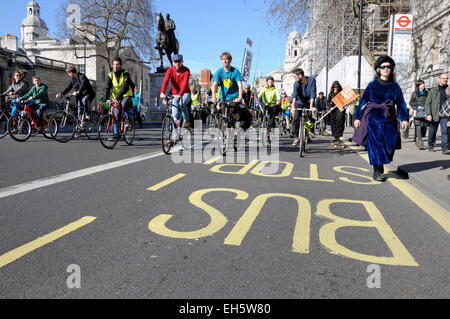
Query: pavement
<point x="428" y="170"/>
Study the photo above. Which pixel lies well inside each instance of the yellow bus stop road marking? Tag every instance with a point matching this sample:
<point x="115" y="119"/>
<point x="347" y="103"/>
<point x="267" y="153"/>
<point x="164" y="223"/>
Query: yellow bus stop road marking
<point x="434" y="210"/>
<point x="21" y="251"/>
<point x="166" y="182"/>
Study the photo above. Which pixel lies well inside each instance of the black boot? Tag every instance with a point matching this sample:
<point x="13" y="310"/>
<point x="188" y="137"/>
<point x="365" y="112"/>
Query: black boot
<point x="378" y="171"/>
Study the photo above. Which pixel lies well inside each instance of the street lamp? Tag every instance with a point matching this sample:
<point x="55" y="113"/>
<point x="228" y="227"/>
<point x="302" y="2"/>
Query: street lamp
<point x="360" y="45"/>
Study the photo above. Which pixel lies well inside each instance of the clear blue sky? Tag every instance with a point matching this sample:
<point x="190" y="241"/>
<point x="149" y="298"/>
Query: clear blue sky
<point x="205" y="28"/>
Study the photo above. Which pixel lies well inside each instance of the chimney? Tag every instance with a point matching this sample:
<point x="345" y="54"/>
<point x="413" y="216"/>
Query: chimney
<point x="9" y="41"/>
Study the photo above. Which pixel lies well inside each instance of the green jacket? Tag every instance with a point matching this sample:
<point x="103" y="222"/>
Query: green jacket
<point x="432" y="106"/>
<point x="39" y="96"/>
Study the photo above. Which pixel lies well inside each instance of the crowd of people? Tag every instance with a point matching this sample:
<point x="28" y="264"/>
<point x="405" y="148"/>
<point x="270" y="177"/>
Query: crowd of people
<point x="379" y="117"/>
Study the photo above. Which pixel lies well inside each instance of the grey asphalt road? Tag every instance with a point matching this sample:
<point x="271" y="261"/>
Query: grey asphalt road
<point x="318" y="227"/>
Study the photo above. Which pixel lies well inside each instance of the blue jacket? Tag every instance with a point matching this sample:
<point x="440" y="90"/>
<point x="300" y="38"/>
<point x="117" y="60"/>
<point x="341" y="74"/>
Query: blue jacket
<point x="304" y="93"/>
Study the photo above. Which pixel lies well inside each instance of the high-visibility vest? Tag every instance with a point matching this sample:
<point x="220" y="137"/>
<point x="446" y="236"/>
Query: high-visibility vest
<point x="285" y="103"/>
<point x="118" y="85"/>
<point x="195" y="99"/>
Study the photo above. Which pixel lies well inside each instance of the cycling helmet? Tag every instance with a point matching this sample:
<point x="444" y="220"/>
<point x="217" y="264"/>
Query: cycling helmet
<point x="270" y="78"/>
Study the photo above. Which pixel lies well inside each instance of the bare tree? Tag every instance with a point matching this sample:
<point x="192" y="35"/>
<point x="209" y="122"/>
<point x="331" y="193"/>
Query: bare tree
<point x="110" y="25"/>
<point x="301" y="14"/>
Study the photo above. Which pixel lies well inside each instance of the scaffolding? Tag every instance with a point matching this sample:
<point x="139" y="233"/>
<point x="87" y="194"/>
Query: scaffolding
<point x="337" y="16"/>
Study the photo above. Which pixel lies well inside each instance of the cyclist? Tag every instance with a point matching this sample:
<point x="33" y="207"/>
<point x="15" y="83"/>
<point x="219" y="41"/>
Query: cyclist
<point x="229" y="79"/>
<point x="121" y="88"/>
<point x="18" y="87"/>
<point x="271" y="98"/>
<point x="138" y="100"/>
<point x="247" y="95"/>
<point x="82" y="90"/>
<point x="303" y="96"/>
<point x="285" y="108"/>
<point x="178" y="75"/>
<point x="38" y="98"/>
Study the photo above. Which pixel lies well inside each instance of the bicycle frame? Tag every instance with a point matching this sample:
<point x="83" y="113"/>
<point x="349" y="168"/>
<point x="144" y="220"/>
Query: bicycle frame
<point x="32" y="116"/>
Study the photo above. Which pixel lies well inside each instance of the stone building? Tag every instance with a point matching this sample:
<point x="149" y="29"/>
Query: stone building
<point x="430" y="49"/>
<point x="81" y="51"/>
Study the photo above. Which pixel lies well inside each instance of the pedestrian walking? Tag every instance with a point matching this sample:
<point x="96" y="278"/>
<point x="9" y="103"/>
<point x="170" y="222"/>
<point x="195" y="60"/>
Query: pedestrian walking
<point x="433" y="106"/>
<point x="417" y="104"/>
<point x="376" y="119"/>
<point x="337" y="117"/>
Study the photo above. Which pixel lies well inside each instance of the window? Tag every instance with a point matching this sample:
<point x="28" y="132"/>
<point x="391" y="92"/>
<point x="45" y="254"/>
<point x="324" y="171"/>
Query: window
<point x="436" y="43"/>
<point x="295" y="53"/>
<point x="30" y="12"/>
<point x="295" y="42"/>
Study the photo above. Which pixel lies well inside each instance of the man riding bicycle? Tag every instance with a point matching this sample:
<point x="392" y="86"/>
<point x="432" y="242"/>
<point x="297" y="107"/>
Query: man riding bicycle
<point x="303" y="97"/>
<point x="82" y="90"/>
<point x="271" y="98"/>
<point x="229" y="79"/>
<point x="178" y="75"/>
<point x="120" y="88"/>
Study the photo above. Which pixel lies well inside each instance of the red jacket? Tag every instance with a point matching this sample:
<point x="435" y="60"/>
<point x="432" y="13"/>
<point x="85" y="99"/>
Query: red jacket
<point x="179" y="80"/>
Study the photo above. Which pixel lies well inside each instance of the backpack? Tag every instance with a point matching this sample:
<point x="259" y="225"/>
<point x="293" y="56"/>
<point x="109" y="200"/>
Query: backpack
<point x="445" y="109"/>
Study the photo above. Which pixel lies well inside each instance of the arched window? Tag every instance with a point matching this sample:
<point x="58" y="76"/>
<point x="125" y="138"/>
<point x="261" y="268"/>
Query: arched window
<point x="295" y="53"/>
<point x="30" y="12"/>
<point x="295" y="42"/>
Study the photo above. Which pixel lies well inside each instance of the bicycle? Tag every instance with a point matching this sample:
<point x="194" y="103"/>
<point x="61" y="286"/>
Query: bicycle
<point x="236" y="131"/>
<point x="69" y="125"/>
<point x="305" y="129"/>
<point x="212" y="121"/>
<point x="321" y="124"/>
<point x="5" y="114"/>
<point x="110" y="130"/>
<point x="282" y="123"/>
<point x="267" y="133"/>
<point x="258" y="116"/>
<point x="171" y="133"/>
<point x="20" y="128"/>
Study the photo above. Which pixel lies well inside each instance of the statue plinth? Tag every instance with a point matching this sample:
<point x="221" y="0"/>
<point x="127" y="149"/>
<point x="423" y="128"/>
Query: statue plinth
<point x="161" y="69"/>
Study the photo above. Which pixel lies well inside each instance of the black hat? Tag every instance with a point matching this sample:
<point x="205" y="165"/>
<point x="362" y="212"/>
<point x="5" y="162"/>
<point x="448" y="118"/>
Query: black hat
<point x="382" y="59"/>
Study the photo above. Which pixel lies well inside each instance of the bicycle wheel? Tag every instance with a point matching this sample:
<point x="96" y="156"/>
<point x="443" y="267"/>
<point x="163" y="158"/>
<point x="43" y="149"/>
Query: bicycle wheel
<point x="19" y="128"/>
<point x="301" y="136"/>
<point x="50" y="127"/>
<point x="106" y="131"/>
<point x="66" y="126"/>
<point x="129" y="131"/>
<point x="166" y="134"/>
<point x="210" y="124"/>
<point x="90" y="127"/>
<point x="222" y="138"/>
<point x="3" y="125"/>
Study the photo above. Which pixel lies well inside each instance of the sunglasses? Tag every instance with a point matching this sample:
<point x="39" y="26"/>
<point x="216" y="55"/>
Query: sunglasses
<point x="177" y="61"/>
<point x="385" y="67"/>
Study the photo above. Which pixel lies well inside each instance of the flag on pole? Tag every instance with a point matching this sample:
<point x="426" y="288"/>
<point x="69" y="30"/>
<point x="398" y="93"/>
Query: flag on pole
<point x="249" y="42"/>
<point x="246" y="65"/>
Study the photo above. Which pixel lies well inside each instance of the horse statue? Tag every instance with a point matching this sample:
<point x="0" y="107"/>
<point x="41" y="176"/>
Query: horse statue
<point x="166" y="43"/>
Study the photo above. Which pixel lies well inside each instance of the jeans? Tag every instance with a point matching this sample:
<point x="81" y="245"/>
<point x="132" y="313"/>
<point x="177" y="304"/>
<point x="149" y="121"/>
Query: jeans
<point x="38" y="108"/>
<point x="181" y="106"/>
<point x="84" y="102"/>
<point x="433" y="131"/>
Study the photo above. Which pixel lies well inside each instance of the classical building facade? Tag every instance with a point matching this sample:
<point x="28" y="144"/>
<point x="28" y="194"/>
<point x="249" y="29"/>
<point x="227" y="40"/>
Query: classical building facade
<point x="37" y="43"/>
<point x="430" y="49"/>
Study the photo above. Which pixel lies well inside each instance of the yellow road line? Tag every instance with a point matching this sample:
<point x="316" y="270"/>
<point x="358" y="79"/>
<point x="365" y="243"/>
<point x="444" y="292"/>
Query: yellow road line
<point x="21" y="251"/>
<point x="434" y="210"/>
<point x="212" y="160"/>
<point x="166" y="182"/>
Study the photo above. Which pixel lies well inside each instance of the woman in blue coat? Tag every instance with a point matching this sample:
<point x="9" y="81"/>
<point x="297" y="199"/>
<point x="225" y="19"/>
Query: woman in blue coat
<point x="377" y="117"/>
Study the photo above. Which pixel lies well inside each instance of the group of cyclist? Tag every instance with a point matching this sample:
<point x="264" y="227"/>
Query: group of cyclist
<point x="227" y="93"/>
<point x="227" y="86"/>
<point x="120" y="89"/>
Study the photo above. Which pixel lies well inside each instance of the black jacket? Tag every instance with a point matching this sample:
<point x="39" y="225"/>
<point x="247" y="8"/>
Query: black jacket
<point x="321" y="104"/>
<point x="80" y="84"/>
<point x="418" y="99"/>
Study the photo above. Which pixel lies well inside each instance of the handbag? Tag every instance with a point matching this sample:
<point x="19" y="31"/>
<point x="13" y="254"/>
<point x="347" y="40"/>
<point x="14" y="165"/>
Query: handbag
<point x="445" y="109"/>
<point x="419" y="113"/>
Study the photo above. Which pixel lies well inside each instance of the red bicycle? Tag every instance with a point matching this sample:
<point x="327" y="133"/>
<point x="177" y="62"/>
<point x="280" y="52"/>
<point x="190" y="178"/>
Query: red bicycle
<point x="22" y="125"/>
<point x="110" y="129"/>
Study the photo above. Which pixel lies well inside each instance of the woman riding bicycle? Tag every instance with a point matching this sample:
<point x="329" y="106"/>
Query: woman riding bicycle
<point x="18" y="87"/>
<point x="271" y="98"/>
